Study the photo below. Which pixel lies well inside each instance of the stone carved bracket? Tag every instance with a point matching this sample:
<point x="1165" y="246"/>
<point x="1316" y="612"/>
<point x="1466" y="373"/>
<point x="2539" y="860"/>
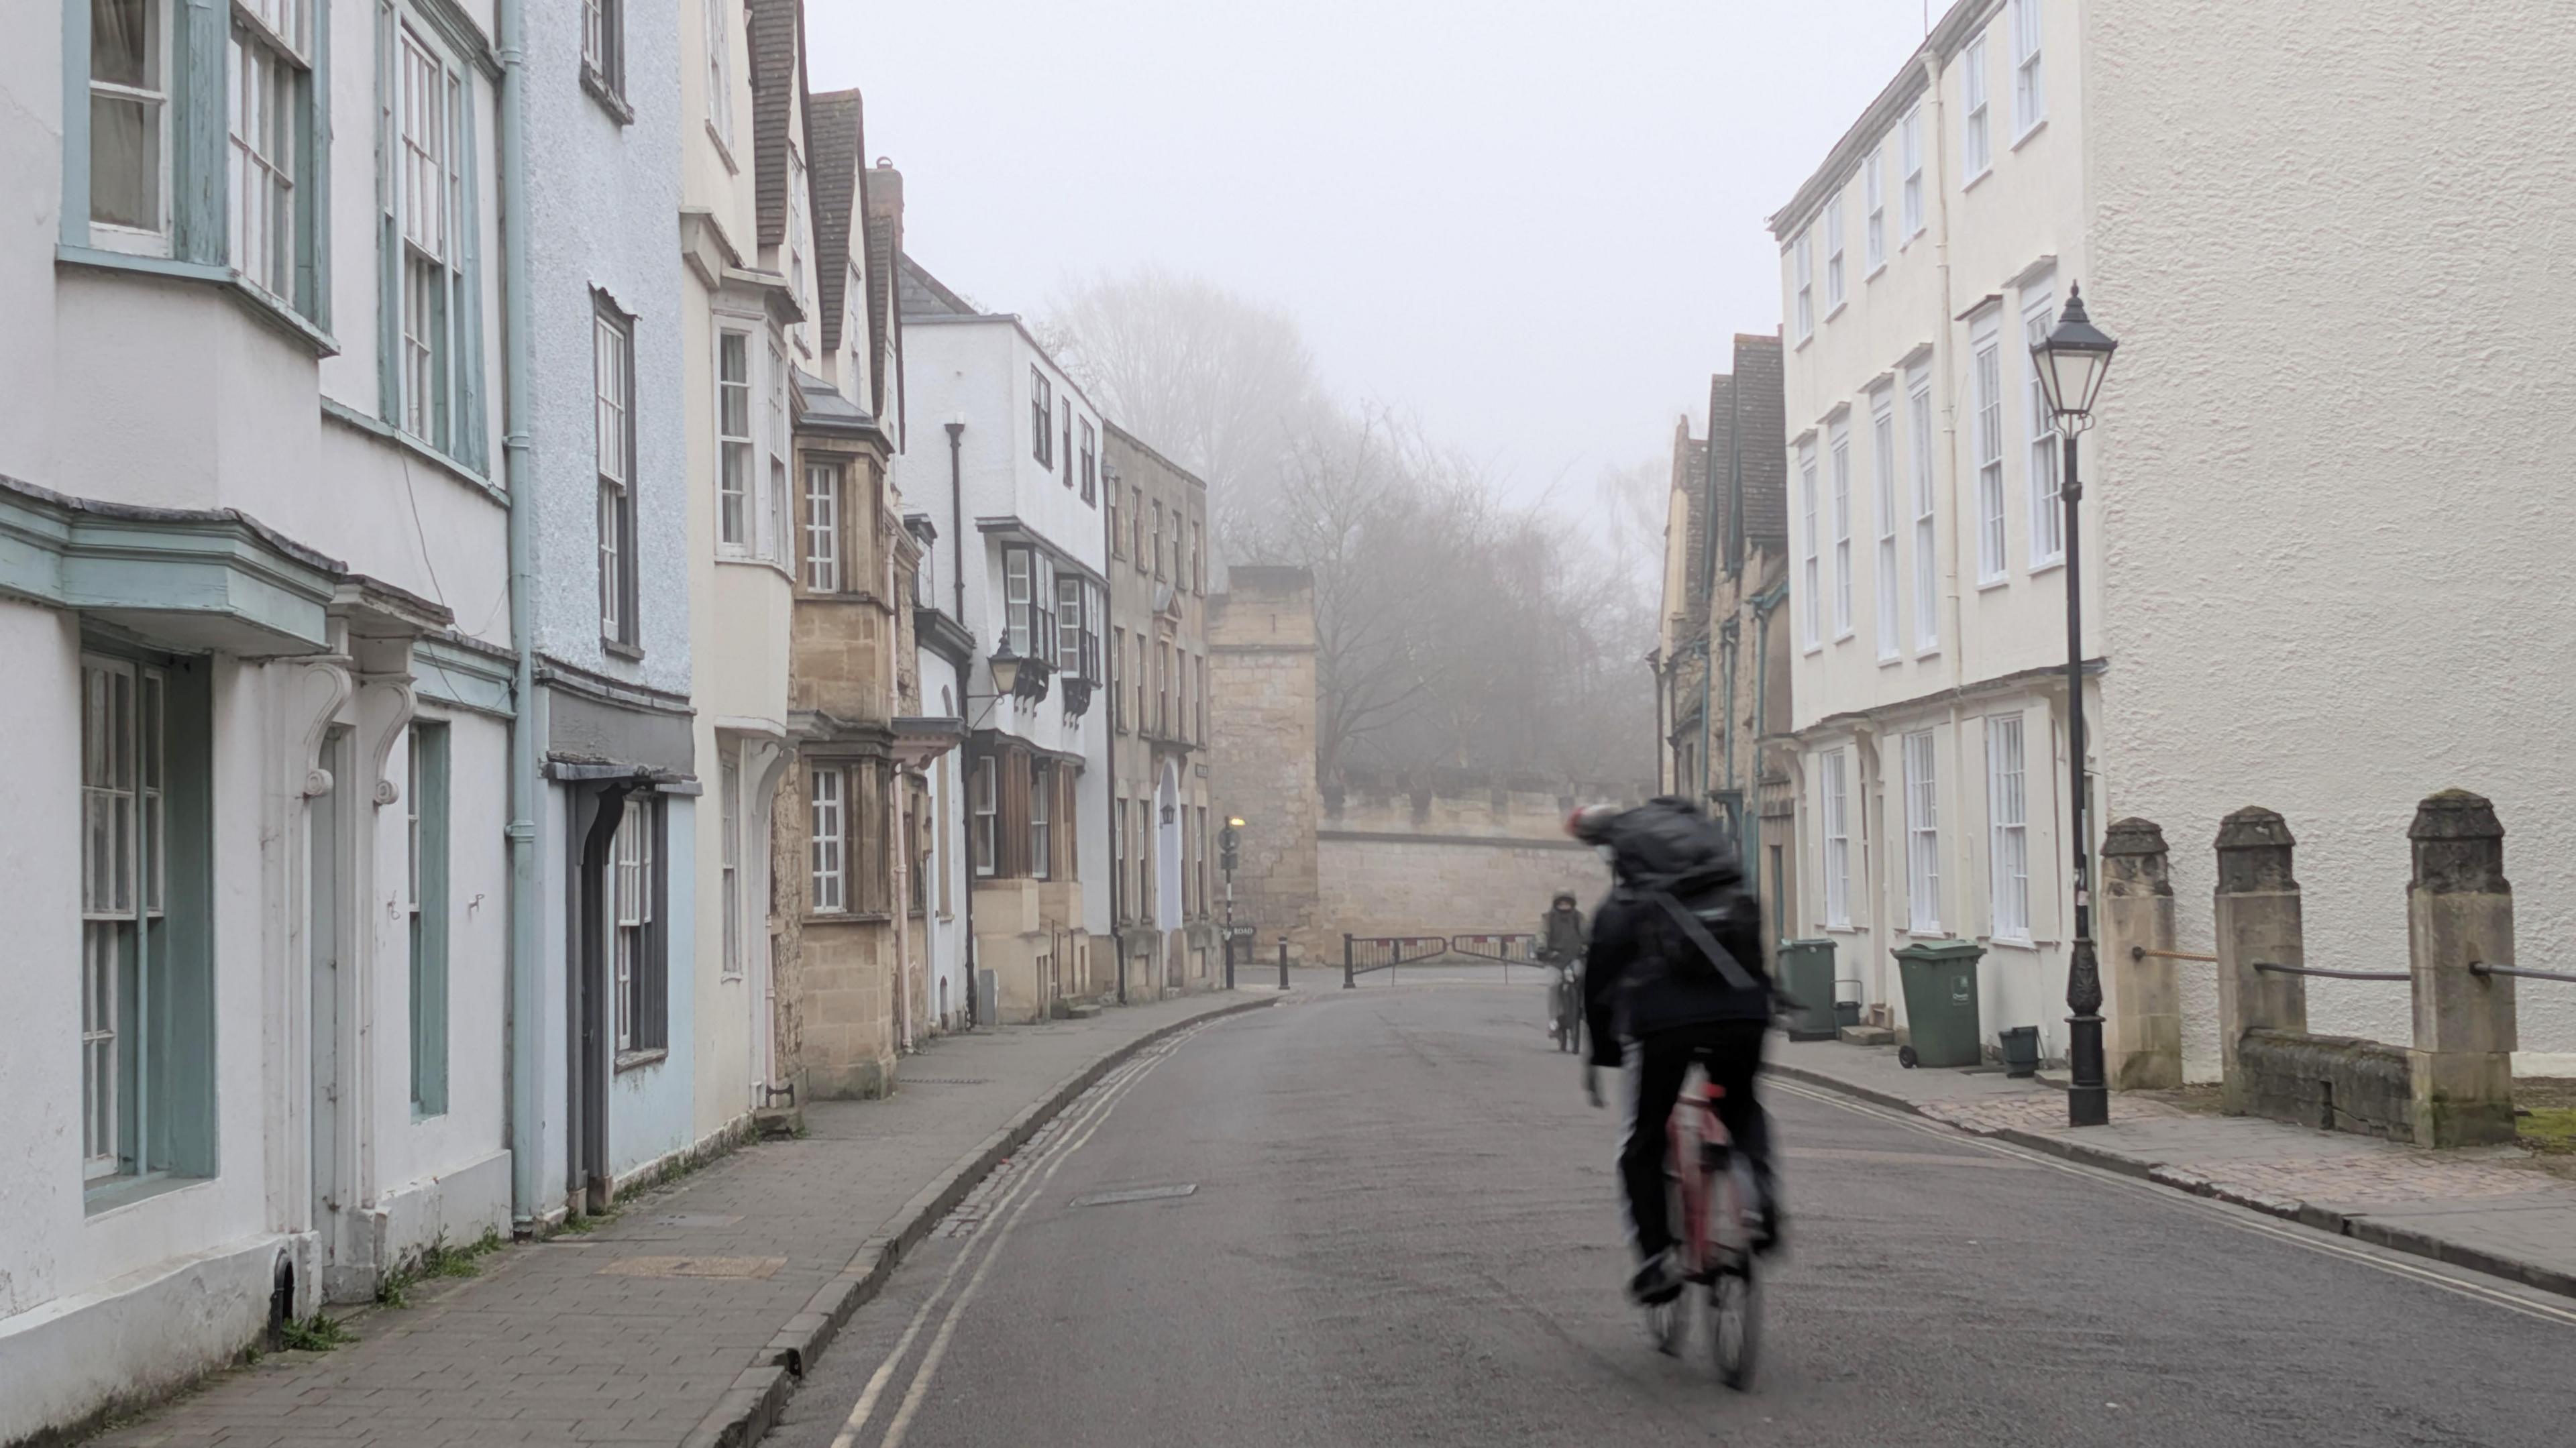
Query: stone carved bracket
<point x="329" y="675"/>
<point x="406" y="702"/>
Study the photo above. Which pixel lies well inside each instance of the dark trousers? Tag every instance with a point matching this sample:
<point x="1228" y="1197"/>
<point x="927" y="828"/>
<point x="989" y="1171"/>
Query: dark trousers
<point x="1731" y="1051"/>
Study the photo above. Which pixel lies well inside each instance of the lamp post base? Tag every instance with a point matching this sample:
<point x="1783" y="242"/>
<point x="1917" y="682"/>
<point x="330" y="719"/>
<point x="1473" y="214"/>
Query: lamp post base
<point x="2088" y="1095"/>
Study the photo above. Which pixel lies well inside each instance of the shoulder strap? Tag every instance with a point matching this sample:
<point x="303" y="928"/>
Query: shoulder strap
<point x="1718" y="955"/>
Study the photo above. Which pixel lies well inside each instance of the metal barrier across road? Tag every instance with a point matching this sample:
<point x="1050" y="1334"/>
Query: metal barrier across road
<point x="1364" y="953"/>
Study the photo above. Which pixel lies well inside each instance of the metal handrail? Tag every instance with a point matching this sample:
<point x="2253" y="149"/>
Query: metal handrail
<point x="2336" y="974"/>
<point x="2140" y="952"/>
<point x="2480" y="967"/>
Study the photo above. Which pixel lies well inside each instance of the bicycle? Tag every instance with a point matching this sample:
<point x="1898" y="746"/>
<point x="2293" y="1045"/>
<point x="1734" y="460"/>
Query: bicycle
<point x="1713" y="1203"/>
<point x="1566" y="997"/>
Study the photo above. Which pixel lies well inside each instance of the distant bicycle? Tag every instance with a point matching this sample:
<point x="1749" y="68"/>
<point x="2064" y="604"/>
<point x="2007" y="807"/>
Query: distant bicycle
<point x="1565" y="1004"/>
<point x="1713" y="1204"/>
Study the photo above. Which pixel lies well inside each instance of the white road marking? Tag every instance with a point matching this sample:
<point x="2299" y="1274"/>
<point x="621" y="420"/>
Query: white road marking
<point x="1071" y="1131"/>
<point x="2244" y="1219"/>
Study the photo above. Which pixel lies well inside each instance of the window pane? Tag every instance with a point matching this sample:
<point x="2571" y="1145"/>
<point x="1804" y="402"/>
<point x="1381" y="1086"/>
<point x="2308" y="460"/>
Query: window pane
<point x="125" y="162"/>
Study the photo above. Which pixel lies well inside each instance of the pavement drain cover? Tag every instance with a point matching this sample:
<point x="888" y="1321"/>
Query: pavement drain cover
<point x="738" y="1268"/>
<point x="1136" y="1194"/>
<point x="696" y="1219"/>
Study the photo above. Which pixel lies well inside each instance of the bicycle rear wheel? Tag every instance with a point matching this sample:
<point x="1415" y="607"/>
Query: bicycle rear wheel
<point x="1735" y="1323"/>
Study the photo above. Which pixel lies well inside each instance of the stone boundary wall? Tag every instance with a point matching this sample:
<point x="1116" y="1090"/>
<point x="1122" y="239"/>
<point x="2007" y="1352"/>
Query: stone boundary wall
<point x="1451" y="853"/>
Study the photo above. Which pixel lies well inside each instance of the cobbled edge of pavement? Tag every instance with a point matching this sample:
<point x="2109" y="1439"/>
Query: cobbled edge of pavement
<point x="751" y="1406"/>
<point x="2307" y="1214"/>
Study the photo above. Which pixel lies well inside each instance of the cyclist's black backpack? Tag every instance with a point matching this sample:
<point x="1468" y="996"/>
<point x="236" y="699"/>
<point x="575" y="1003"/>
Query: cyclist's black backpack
<point x="1672" y="856"/>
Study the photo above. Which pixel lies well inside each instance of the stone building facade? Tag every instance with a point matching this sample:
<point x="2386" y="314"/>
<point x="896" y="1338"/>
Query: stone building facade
<point x="1261" y="754"/>
<point x="1451" y="853"/>
<point x="1163" y="885"/>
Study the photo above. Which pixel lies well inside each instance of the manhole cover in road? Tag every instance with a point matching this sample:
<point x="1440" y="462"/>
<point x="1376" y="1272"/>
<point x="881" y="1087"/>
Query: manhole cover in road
<point x="696" y="1219"/>
<point x="739" y="1268"/>
<point x="1136" y="1194"/>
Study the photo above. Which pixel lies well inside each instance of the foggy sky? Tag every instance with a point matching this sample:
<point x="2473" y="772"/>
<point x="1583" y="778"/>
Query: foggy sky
<point x="1535" y="223"/>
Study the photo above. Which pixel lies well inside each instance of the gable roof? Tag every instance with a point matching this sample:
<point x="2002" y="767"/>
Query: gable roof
<point x="777" y="84"/>
<point x="924" y="295"/>
<point x="833" y="121"/>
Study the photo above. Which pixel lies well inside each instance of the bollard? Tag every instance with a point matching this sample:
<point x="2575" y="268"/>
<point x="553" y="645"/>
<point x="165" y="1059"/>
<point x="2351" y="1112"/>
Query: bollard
<point x="1347" y="982"/>
<point x="2459" y="913"/>
<point x="1283" y="962"/>
<point x="1229" y="959"/>
<point x="2146" y="991"/>
<point x="2259" y="921"/>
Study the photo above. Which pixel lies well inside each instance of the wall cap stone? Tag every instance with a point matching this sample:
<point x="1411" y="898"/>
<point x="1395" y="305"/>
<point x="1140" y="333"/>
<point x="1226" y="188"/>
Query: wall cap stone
<point x="2254" y="849"/>
<point x="2458" y="846"/>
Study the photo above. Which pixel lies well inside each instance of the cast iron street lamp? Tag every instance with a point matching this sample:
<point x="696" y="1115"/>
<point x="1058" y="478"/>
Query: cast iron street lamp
<point x="2071" y="363"/>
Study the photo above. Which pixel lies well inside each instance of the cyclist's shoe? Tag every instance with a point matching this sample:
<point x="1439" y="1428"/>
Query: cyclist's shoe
<point x="1770" y="1234"/>
<point x="1657" y="1282"/>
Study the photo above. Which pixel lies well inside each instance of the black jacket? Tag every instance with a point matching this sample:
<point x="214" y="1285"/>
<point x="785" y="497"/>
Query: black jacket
<point x="1560" y="934"/>
<point x="1637" y="983"/>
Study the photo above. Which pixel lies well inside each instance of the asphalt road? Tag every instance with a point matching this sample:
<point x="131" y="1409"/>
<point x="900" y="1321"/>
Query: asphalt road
<point x="1402" y="1231"/>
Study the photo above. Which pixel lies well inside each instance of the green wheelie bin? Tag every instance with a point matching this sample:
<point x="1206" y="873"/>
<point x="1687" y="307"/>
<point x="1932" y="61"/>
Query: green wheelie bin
<point x="1941" y="1002"/>
<point x="1807" y="975"/>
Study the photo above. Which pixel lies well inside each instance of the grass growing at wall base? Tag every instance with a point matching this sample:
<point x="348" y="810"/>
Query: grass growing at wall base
<point x="436" y="1261"/>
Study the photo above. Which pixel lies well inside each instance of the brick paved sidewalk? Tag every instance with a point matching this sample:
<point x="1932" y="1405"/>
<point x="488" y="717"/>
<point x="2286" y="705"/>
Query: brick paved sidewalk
<point x="636" y="1332"/>
<point x="2488" y="1209"/>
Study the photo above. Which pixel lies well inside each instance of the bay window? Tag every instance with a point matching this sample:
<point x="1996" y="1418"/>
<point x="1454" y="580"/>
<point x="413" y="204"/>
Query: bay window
<point x="828" y="840"/>
<point x="823" y="527"/>
<point x="733" y="438"/>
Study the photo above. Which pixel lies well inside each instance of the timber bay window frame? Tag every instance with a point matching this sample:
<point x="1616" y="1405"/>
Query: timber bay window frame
<point x="828" y="840"/>
<point x="196" y="134"/>
<point x="1041" y="418"/>
<point x="603" y="52"/>
<point x="822" y="527"/>
<point x="425" y="816"/>
<point x="613" y="377"/>
<point x="1041" y="819"/>
<point x="736" y="469"/>
<point x="983" y="827"/>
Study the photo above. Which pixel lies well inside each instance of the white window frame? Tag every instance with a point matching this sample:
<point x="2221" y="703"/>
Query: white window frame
<point x="1041" y="820"/>
<point x="1882" y="433"/>
<point x="983" y="835"/>
<point x="1842" y="500"/>
<point x="828" y="840"/>
<point x="1803" y="264"/>
<point x="124" y="835"/>
<point x="1977" y="136"/>
<point x="1070" y="595"/>
<point x="1922" y="833"/>
<point x="1019" y="595"/>
<point x="612" y="345"/>
<point x="2030" y="77"/>
<point x="1927" y="526"/>
<point x="425" y="201"/>
<point x="151" y="90"/>
<point x="1986" y="418"/>
<point x="1812" y="581"/>
<point x="736" y="467"/>
<point x="822" y="529"/>
<point x="2007" y="829"/>
<point x="1874" y="197"/>
<point x="631" y="904"/>
<point x="1836" y="785"/>
<point x="2040" y="457"/>
<point x="1910" y="189"/>
<point x="1834" y="287"/>
<point x="729" y="856"/>
<point x="782" y="458"/>
<point x="720" y="71"/>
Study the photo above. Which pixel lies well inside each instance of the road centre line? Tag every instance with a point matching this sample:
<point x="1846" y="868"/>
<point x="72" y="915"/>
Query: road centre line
<point x="2244" y="1219"/>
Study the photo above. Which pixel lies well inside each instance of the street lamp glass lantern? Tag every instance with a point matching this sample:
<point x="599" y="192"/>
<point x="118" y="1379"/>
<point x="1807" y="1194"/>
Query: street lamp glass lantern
<point x="2072" y="361"/>
<point x="1006" y="672"/>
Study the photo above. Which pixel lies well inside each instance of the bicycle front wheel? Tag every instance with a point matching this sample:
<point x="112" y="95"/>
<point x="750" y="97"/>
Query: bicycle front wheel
<point x="1735" y="1323"/>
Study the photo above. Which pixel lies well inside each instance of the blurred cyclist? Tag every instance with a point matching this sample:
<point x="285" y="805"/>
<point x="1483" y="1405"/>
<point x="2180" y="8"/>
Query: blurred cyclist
<point x="1560" y="944"/>
<point x="1675" y="973"/>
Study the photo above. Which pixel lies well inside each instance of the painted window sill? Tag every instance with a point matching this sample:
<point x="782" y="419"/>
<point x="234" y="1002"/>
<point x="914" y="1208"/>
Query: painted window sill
<point x="1874" y="273"/>
<point x="2039" y="566"/>
<point x="115" y="1194"/>
<point x="724" y="149"/>
<point x="637" y="1060"/>
<point x="2006" y="942"/>
<point x="1989" y="585"/>
<point x="750" y="560"/>
<point x="376" y="427"/>
<point x="1889" y="661"/>
<point x="1973" y="182"/>
<point x="2033" y="129"/>
<point x="606" y="94"/>
<point x="261" y="306"/>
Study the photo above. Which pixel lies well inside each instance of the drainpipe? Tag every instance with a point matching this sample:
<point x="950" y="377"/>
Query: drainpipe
<point x="1109" y="679"/>
<point x="526" y="1002"/>
<point x="965" y="685"/>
